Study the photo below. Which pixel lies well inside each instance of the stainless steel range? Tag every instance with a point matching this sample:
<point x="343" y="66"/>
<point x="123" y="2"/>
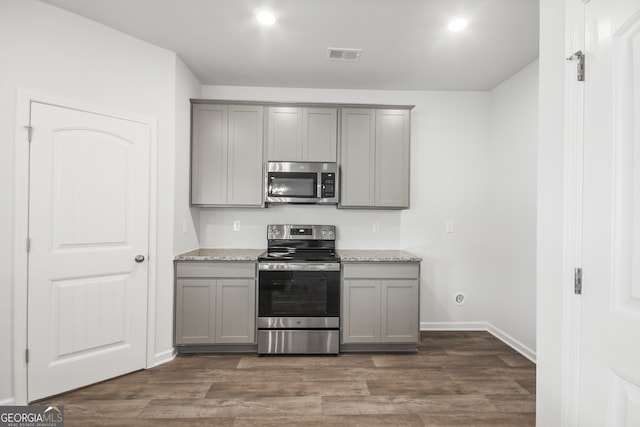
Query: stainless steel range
<point x="299" y="291"/>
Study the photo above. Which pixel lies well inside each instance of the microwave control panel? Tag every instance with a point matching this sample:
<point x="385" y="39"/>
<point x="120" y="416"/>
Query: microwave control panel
<point x="328" y="185"/>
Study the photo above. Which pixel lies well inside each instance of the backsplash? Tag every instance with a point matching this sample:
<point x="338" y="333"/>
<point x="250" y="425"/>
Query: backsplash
<point x="355" y="228"/>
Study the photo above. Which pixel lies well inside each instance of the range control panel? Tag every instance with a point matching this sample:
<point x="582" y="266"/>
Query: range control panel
<point x="299" y="232"/>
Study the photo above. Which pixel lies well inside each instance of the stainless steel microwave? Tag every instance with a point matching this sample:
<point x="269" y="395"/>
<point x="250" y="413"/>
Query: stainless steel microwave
<point x="301" y="182"/>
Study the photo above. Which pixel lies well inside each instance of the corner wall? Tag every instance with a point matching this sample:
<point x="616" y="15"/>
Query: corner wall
<point x="511" y="282"/>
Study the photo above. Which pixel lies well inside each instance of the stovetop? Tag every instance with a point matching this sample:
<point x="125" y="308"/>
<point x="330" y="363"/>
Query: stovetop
<point x="300" y="255"/>
<point x="300" y="243"/>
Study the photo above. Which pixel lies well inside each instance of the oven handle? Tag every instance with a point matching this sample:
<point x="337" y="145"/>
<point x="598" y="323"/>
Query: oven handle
<point x="299" y="266"/>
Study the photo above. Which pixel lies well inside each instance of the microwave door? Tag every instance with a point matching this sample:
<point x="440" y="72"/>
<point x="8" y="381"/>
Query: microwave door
<point x="292" y="187"/>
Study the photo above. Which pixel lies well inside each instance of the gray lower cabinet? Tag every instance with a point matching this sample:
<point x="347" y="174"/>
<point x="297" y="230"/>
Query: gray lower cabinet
<point x="227" y="155"/>
<point x="374" y="158"/>
<point x="215" y="305"/>
<point x="380" y="305"/>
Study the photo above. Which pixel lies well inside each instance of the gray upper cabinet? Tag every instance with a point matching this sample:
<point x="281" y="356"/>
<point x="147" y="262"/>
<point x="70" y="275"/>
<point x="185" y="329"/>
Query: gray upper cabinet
<point x="227" y="155"/>
<point x="375" y="156"/>
<point x="302" y="134"/>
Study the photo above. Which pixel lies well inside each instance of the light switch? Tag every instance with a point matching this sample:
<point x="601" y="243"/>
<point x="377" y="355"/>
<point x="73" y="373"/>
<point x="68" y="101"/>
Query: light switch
<point x="450" y="226"/>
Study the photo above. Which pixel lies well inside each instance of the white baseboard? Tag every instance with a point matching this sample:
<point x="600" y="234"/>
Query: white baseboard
<point x="8" y="402"/>
<point x="163" y="357"/>
<point x="481" y="326"/>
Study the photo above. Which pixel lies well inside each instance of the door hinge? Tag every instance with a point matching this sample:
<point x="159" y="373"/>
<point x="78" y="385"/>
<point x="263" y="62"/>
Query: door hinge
<point x="580" y="57"/>
<point x="28" y="244"/>
<point x="577" y="281"/>
<point x="29" y="129"/>
<point x="26" y="356"/>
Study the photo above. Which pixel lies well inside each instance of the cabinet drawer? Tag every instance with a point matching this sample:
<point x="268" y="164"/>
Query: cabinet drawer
<point x="381" y="270"/>
<point x="216" y="269"/>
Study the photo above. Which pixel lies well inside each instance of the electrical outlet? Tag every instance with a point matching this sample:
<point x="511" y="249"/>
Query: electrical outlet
<point x="236" y="225"/>
<point x="376" y="227"/>
<point x="185" y="230"/>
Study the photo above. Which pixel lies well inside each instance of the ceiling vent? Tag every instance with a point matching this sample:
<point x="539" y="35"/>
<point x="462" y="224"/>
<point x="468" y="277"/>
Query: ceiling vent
<point x="340" y="54"/>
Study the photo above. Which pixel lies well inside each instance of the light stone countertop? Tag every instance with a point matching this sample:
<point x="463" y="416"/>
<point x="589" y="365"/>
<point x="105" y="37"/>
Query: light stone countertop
<point x="207" y="254"/>
<point x="376" y="255"/>
<point x="346" y="255"/>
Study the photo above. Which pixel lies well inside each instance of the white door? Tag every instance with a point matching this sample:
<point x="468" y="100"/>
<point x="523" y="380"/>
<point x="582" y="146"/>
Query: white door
<point x="609" y="384"/>
<point x="88" y="220"/>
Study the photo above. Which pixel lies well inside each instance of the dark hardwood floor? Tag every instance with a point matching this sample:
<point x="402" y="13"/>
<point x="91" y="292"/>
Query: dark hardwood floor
<point x="456" y="379"/>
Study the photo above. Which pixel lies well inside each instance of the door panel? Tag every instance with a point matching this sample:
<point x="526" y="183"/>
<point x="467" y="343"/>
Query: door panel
<point x="284" y="130"/>
<point x="245" y="175"/>
<point x="235" y="311"/>
<point x="88" y="219"/>
<point x="209" y="155"/>
<point x="361" y="311"/>
<point x="320" y="127"/>
<point x="392" y="158"/>
<point x="357" y="158"/>
<point x="399" y="318"/>
<point x="610" y="302"/>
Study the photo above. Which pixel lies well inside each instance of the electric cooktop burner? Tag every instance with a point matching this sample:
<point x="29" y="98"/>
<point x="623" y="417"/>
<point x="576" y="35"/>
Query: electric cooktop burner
<point x="300" y="243"/>
<point x="300" y="255"/>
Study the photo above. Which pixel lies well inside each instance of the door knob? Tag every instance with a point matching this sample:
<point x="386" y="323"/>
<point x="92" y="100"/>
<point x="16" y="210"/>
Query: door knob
<point x="139" y="258"/>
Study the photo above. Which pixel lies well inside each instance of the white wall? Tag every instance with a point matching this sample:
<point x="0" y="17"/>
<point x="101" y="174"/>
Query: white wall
<point x="186" y="219"/>
<point x="449" y="177"/>
<point x="473" y="162"/>
<point x="50" y="51"/>
<point x="511" y="281"/>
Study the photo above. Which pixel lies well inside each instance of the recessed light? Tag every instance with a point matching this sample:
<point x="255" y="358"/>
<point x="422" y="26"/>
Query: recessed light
<point x="457" y="25"/>
<point x="266" y="17"/>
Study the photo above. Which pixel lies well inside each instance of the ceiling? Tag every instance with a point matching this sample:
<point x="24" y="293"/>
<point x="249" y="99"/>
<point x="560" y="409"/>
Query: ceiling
<point x="405" y="43"/>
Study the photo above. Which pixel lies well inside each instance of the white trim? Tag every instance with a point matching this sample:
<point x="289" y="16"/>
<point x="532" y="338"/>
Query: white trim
<point x="7" y="402"/>
<point x="481" y="326"/>
<point x="163" y="357"/>
<point x="21" y="225"/>
<point x="21" y="217"/>
<point x="453" y="326"/>
<point x="153" y="243"/>
<point x="572" y="238"/>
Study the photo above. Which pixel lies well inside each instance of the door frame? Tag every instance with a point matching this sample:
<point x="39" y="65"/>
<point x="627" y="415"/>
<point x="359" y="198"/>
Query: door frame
<point x="570" y="353"/>
<point x="21" y="226"/>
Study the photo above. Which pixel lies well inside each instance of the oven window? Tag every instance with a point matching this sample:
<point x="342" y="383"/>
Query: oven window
<point x="299" y="293"/>
<point x="299" y="184"/>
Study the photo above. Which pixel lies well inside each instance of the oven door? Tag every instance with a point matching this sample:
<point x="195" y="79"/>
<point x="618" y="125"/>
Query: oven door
<point x="298" y="290"/>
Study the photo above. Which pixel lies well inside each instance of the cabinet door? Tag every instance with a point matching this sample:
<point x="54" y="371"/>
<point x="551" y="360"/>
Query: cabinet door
<point x="392" y="158"/>
<point x="284" y="134"/>
<point x="245" y="172"/>
<point x="209" y="155"/>
<point x="319" y="134"/>
<point x="361" y="311"/>
<point x="399" y="316"/>
<point x="357" y="158"/>
<point x="195" y="304"/>
<point x="235" y="311"/>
